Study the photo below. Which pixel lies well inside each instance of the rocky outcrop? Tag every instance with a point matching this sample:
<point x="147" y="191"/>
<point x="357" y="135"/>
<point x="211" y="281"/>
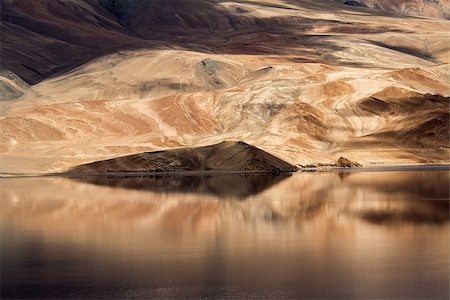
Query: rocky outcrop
<point x="11" y="85"/>
<point x="346" y="163"/>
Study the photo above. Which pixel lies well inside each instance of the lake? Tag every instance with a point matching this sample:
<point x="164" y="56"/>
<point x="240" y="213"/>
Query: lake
<point x="380" y="234"/>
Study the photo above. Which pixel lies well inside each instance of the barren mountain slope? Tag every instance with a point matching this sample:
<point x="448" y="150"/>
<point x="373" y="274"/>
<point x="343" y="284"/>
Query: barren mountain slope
<point x="308" y="81"/>
<point x="42" y="37"/>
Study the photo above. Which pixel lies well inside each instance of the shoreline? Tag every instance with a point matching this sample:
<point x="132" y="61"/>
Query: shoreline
<point x="379" y="168"/>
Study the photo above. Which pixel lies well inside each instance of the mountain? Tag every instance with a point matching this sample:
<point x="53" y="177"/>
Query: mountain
<point x="226" y="157"/>
<point x="307" y="81"/>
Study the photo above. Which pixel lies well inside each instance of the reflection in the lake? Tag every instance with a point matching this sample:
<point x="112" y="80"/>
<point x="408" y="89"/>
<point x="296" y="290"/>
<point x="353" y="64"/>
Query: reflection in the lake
<point x="223" y="185"/>
<point x="314" y="235"/>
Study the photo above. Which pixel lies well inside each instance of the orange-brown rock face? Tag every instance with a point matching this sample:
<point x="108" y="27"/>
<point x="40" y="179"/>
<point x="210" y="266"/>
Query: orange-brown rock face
<point x="307" y="81"/>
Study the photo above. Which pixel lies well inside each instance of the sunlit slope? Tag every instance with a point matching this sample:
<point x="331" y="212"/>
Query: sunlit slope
<point x="307" y="81"/>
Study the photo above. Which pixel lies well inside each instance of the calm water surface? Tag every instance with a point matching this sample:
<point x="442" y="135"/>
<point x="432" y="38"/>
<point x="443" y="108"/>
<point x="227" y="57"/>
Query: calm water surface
<point x="309" y="235"/>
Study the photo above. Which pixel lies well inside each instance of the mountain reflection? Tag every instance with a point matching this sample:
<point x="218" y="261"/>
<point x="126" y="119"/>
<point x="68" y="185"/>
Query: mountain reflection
<point x="416" y="212"/>
<point x="308" y="234"/>
<point x="376" y="198"/>
<point x="236" y="185"/>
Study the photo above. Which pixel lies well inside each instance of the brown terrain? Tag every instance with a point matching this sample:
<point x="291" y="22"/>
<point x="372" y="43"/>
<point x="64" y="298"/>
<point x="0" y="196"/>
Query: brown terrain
<point x="305" y="81"/>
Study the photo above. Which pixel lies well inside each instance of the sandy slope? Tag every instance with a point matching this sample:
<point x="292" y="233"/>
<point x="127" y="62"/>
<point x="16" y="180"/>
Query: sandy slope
<point x="307" y="81"/>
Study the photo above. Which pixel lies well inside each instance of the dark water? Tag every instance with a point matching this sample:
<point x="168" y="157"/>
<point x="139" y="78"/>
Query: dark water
<point x="310" y="235"/>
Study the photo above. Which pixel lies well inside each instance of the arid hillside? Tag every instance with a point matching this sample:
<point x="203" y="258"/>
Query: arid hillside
<point x="307" y="81"/>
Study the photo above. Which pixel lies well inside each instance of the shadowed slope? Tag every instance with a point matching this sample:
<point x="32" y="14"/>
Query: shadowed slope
<point x="226" y="156"/>
<point x="414" y="120"/>
<point x="40" y="38"/>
